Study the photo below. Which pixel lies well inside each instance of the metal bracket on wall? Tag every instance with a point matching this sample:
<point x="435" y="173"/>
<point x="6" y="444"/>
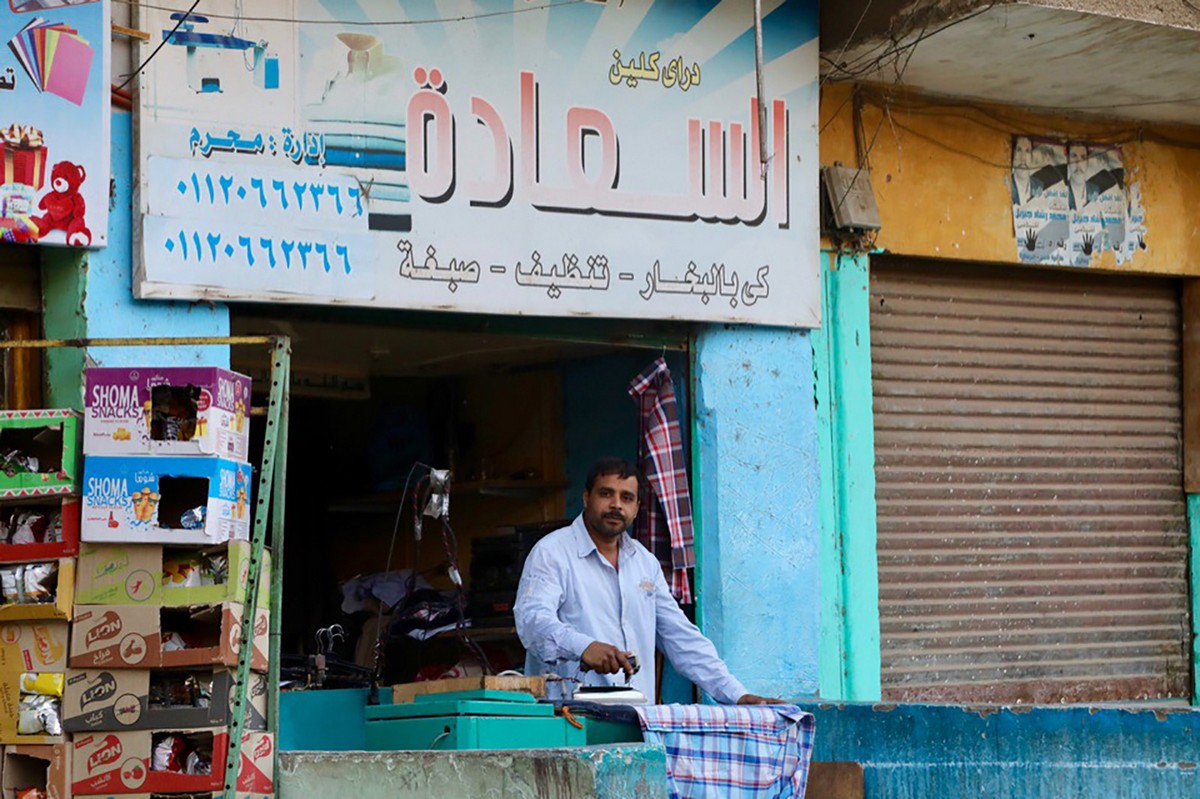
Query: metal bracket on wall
<point x="269" y="506"/>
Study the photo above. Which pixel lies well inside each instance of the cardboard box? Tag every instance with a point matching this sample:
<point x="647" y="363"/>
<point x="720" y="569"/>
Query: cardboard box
<point x="64" y="596"/>
<point x="133" y="636"/>
<point x="119" y="574"/>
<point x="52" y="436"/>
<point x="28" y="647"/>
<point x="33" y="647"/>
<point x="232" y="589"/>
<point x="406" y="692"/>
<point x="45" y="767"/>
<point x="124" y="407"/>
<point x="128" y="500"/>
<point x="218" y="628"/>
<point x="115" y="637"/>
<point x="132" y="699"/>
<point x="192" y="795"/>
<point x="114" y="763"/>
<point x="66" y="548"/>
<point x="150" y="574"/>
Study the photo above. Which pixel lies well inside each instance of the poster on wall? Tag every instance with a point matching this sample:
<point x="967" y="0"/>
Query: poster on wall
<point x="541" y="158"/>
<point x="1072" y="202"/>
<point x="1041" y="201"/>
<point x="54" y="121"/>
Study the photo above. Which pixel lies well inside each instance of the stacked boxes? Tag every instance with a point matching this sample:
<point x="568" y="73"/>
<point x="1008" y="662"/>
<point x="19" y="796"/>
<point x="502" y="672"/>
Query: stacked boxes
<point x="39" y="538"/>
<point x="161" y="589"/>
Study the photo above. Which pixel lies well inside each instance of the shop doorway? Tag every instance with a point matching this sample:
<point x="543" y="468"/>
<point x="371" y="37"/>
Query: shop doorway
<point x="516" y="409"/>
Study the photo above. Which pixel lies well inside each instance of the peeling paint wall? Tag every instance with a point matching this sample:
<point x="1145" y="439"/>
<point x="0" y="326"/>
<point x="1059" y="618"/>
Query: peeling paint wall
<point x="941" y="171"/>
<point x="758" y="477"/>
<point x="849" y="650"/>
<point x="920" y="751"/>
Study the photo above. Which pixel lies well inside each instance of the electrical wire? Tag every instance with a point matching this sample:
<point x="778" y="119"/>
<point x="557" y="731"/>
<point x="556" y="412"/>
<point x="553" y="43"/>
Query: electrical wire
<point x="365" y="23"/>
<point x="849" y="39"/>
<point x="166" y="39"/>
<point x="853" y="69"/>
<point x="376" y="664"/>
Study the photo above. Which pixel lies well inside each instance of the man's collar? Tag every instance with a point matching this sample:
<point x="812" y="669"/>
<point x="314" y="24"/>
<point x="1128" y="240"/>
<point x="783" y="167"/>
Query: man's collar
<point x="584" y="545"/>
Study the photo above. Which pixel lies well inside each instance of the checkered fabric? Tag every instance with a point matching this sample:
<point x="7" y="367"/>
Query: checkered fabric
<point x="732" y="752"/>
<point x="664" y="524"/>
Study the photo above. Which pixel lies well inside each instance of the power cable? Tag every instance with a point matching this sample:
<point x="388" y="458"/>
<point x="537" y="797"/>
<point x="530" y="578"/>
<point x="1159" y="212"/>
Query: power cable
<point x="366" y="23"/>
<point x="166" y="39"/>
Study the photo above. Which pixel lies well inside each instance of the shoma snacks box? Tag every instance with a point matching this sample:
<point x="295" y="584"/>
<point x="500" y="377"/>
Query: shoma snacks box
<point x="167" y="411"/>
<point x="151" y="500"/>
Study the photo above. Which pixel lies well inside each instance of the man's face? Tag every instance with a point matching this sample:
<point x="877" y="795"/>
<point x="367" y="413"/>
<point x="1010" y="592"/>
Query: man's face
<point x="610" y="507"/>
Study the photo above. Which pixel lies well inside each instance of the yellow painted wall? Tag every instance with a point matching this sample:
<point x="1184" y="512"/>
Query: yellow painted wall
<point x="941" y="175"/>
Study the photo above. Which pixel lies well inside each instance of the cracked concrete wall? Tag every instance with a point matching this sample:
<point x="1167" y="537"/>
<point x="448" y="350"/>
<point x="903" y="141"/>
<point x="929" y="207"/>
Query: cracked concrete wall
<point x="635" y="771"/>
<point x="758" y="476"/>
<point x="864" y="21"/>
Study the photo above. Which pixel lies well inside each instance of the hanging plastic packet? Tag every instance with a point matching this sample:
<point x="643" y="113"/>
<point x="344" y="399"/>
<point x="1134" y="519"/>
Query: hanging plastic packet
<point x="54" y="530"/>
<point x="42" y="684"/>
<point x="173" y="642"/>
<point x="39" y="715"/>
<point x="16" y="462"/>
<point x="29" y="527"/>
<point x="193" y="519"/>
<point x="10" y="584"/>
<point x="198" y="764"/>
<point x="438" y="505"/>
<point x="182" y="571"/>
<point x="216" y="570"/>
<point x="168" y="754"/>
<point x="39" y="583"/>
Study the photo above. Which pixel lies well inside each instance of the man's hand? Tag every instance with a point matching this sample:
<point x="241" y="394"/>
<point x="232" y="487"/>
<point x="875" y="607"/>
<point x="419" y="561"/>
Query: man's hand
<point x="752" y="699"/>
<point x="605" y="659"/>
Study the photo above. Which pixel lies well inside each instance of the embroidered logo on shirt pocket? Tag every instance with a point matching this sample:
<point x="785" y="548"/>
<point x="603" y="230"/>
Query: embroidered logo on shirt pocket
<point x="647" y="587"/>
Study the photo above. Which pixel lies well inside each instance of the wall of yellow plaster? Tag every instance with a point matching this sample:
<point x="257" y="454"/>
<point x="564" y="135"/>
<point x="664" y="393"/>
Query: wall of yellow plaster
<point x="941" y="176"/>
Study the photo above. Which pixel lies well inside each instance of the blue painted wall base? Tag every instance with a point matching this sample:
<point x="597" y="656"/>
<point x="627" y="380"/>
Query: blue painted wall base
<point x="920" y="751"/>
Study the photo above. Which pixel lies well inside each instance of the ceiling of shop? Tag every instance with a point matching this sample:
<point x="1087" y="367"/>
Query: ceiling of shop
<point x="349" y="349"/>
<point x="1031" y="56"/>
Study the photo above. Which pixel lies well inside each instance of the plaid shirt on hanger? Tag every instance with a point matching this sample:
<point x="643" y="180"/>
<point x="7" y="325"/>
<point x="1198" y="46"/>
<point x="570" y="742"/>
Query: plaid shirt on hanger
<point x="664" y="525"/>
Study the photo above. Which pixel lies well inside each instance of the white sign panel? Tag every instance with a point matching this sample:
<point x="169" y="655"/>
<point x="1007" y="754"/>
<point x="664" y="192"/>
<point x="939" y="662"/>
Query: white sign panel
<point x="516" y="158"/>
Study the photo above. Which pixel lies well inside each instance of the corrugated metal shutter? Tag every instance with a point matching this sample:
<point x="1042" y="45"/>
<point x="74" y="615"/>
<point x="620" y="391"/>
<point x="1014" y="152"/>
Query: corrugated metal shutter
<point x="1032" y="536"/>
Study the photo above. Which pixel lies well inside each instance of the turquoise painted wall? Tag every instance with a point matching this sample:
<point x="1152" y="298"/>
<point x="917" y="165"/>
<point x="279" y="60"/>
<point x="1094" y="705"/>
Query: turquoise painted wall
<point x="110" y="309"/>
<point x="850" y="653"/>
<point x="1193" y="512"/>
<point x="1046" y="752"/>
<point x="758" y="476"/>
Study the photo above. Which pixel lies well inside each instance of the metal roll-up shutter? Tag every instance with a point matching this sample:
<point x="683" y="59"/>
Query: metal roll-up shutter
<point x="1031" y="516"/>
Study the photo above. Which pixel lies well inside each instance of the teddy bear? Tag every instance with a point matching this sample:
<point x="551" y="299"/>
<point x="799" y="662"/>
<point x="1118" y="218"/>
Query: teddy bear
<point x="64" y="205"/>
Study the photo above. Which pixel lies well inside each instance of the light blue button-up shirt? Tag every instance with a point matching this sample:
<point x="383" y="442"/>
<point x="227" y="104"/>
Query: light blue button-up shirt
<point x="570" y="596"/>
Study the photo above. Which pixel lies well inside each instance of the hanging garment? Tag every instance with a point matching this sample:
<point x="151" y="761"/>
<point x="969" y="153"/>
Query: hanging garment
<point x="664" y="525"/>
<point x="732" y="752"/>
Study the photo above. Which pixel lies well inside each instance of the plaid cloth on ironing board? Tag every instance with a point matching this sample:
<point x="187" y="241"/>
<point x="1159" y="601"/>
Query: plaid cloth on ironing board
<point x="664" y="525"/>
<point x="732" y="752"/>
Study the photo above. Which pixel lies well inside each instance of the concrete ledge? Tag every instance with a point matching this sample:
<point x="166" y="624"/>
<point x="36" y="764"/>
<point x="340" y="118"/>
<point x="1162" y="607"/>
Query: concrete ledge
<point x="629" y="771"/>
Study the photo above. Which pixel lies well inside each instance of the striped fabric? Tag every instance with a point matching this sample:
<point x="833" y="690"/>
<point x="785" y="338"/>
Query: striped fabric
<point x="664" y="525"/>
<point x="732" y="752"/>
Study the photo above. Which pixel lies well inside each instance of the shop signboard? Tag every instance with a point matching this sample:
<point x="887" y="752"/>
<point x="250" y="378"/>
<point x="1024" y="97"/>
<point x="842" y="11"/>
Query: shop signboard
<point x="54" y="121"/>
<point x="545" y="158"/>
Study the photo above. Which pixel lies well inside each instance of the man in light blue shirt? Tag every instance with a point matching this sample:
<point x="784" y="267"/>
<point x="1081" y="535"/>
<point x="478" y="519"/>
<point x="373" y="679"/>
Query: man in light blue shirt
<point x="591" y="595"/>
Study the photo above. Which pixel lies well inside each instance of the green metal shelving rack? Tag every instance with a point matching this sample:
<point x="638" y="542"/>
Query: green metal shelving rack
<point x="268" y="506"/>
